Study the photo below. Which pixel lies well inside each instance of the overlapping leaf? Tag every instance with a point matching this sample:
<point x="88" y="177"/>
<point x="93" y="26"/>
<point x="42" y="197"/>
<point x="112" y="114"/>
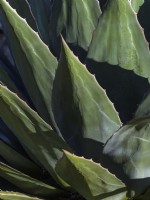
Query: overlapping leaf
<point x="35" y="135"/>
<point x="81" y="107"/>
<point x="18" y="161"/>
<point x="34" y="61"/>
<point x="130" y="147"/>
<point x="24" y="11"/>
<point x="26" y="183"/>
<point x="39" y="10"/>
<point x="90" y="179"/>
<point x="144" y="108"/>
<point x="15" y="196"/>
<point x="119" y="39"/>
<point x="76" y="19"/>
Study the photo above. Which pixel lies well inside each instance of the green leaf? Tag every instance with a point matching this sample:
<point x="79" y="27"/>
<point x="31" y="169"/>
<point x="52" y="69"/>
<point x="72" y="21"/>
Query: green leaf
<point x="15" y="196"/>
<point x="144" y="108"/>
<point x="90" y="179"/>
<point x="26" y="183"/>
<point x="24" y="11"/>
<point x="130" y="148"/>
<point x="121" y="39"/>
<point x="39" y="11"/>
<point x="18" y="161"/>
<point x="33" y="132"/>
<point x="33" y="59"/>
<point x="136" y="4"/>
<point x="76" y="19"/>
<point x="81" y="107"/>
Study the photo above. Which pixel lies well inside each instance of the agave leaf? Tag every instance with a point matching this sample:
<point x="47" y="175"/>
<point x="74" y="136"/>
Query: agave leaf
<point x="136" y="4"/>
<point x="76" y="19"/>
<point x="15" y="196"/>
<point x="144" y="108"/>
<point x="90" y="179"/>
<point x="81" y="108"/>
<point x="130" y="147"/>
<point x="33" y="132"/>
<point x="24" y="11"/>
<point x="33" y="59"/>
<point x="18" y="161"/>
<point x="39" y="11"/>
<point x="26" y="183"/>
<point x="121" y="39"/>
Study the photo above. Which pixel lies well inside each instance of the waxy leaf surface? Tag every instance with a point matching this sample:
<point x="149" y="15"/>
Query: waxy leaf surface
<point x="136" y="4"/>
<point x="119" y="39"/>
<point x="81" y="107"/>
<point x="76" y="19"/>
<point x="130" y="147"/>
<point x="36" y="136"/>
<point x="90" y="179"/>
<point x="34" y="61"/>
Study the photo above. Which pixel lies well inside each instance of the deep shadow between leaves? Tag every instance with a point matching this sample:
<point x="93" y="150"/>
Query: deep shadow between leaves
<point x="124" y="88"/>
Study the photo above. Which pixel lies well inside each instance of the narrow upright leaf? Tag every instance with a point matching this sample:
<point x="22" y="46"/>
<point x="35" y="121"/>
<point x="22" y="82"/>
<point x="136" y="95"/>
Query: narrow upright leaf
<point x="81" y="107"/>
<point x="33" y="132"/>
<point x="26" y="183"/>
<point x="33" y="59"/>
<point x="119" y="39"/>
<point x="76" y="19"/>
<point x="90" y="179"/>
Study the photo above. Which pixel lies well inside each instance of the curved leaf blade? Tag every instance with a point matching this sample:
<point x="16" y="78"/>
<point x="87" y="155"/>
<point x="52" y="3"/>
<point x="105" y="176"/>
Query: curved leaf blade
<point x="129" y="147"/>
<point x="78" y="28"/>
<point x="26" y="183"/>
<point x="90" y="179"/>
<point x="16" y="196"/>
<point x="122" y="40"/>
<point x="33" y="59"/>
<point x="82" y="110"/>
<point x="144" y="108"/>
<point x="36" y="136"/>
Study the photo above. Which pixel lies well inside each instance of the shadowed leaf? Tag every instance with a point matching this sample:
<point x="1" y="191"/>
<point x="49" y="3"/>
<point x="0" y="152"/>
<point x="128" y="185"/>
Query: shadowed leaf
<point x="81" y="107"/>
<point x="26" y="183"/>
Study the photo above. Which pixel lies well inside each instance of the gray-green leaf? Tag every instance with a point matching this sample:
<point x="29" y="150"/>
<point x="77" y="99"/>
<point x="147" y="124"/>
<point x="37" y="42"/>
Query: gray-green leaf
<point x="26" y="183"/>
<point x="34" y="61"/>
<point x="76" y="19"/>
<point x="130" y="147"/>
<point x="82" y="110"/>
<point x="36" y="136"/>
<point x="119" y="39"/>
<point x="90" y="179"/>
<point x="15" y="196"/>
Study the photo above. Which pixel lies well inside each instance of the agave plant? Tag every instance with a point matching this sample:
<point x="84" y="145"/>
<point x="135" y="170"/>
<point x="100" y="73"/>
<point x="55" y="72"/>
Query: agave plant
<point x="61" y="136"/>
